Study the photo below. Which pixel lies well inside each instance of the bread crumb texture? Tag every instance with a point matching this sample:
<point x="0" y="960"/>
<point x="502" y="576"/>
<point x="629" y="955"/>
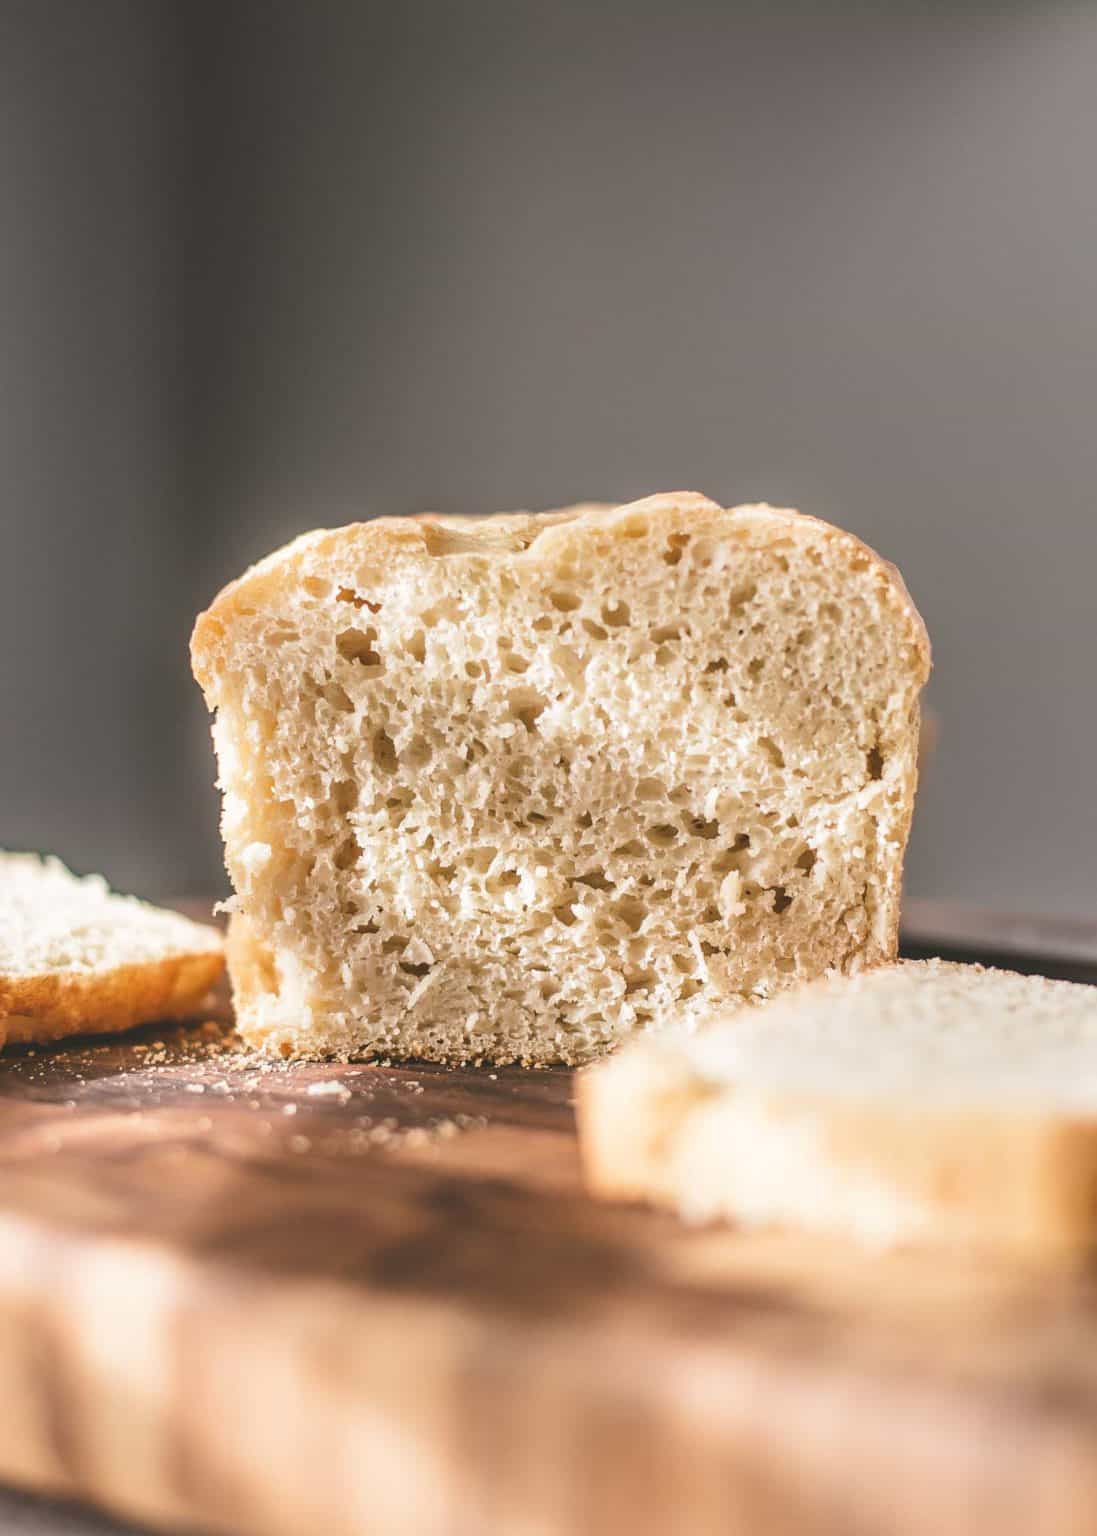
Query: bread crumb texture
<point x="514" y="788"/>
<point x="76" y="958"/>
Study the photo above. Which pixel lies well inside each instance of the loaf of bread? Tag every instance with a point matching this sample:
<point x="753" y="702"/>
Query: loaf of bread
<point x="516" y="788"/>
<point x="76" y="959"/>
<point x="923" y="1100"/>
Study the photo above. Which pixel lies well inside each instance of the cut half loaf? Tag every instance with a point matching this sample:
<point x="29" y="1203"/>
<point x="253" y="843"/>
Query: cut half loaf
<point x="515" y="788"/>
<point x="76" y="959"/>
<point x="920" y="1100"/>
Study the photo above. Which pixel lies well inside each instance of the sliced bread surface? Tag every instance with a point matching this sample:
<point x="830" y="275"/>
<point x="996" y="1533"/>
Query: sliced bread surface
<point x="923" y="1100"/>
<point x="75" y="958"/>
<point x="518" y="787"/>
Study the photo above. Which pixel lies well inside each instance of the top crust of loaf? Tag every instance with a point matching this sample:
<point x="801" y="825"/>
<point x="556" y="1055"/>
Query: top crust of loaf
<point x="438" y="857"/>
<point x="532" y="535"/>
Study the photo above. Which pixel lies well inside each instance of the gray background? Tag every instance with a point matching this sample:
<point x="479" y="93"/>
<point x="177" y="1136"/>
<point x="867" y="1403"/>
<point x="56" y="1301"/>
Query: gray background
<point x="270" y="265"/>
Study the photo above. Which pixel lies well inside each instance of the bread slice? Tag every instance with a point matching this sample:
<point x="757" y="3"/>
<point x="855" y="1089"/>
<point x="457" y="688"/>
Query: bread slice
<point x="920" y="1100"/>
<point x="518" y="787"/>
<point x="76" y="959"/>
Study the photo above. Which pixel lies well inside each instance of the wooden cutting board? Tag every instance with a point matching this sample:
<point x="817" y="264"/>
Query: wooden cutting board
<point x="367" y="1299"/>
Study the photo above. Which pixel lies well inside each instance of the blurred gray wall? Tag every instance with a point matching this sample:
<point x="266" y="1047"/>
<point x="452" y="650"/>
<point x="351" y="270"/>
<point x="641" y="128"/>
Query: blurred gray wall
<point x="497" y="254"/>
<point x="96" y="583"/>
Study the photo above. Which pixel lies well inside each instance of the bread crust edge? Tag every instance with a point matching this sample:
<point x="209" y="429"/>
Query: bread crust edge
<point x="384" y="537"/>
<point x="36" y="1010"/>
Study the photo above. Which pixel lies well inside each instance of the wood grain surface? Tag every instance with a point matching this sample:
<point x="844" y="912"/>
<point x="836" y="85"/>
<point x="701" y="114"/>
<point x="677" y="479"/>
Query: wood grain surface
<point x="374" y="1299"/>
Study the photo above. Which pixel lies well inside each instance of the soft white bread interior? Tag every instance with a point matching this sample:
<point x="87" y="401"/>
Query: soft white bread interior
<point x="77" y="959"/>
<point x="517" y="787"/>
<point x="919" y="1100"/>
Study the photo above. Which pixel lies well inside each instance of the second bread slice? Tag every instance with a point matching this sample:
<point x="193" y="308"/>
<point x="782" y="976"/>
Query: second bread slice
<point x="923" y="1100"/>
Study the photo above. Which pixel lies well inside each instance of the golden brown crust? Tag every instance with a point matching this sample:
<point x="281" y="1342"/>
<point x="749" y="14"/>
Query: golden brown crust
<point x="53" y="1006"/>
<point x="1019" y="1180"/>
